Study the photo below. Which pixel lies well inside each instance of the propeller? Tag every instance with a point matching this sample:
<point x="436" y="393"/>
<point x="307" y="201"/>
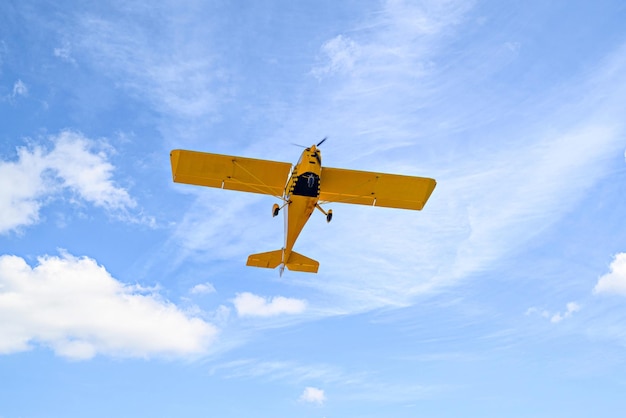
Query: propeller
<point x="318" y="144"/>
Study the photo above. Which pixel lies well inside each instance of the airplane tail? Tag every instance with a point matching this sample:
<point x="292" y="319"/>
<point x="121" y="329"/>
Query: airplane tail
<point x="272" y="259"/>
<point x="268" y="260"/>
<point x="298" y="262"/>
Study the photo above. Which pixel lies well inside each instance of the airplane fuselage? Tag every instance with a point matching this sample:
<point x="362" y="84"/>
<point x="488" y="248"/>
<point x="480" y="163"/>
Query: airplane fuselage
<point x="301" y="195"/>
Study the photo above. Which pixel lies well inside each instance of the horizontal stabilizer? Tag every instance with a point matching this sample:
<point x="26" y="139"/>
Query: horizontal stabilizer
<point x="298" y="262"/>
<point x="270" y="260"/>
<point x="273" y="259"/>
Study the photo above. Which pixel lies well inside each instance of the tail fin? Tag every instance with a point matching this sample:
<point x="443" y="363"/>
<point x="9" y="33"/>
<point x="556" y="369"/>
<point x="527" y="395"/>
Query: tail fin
<point x="272" y="259"/>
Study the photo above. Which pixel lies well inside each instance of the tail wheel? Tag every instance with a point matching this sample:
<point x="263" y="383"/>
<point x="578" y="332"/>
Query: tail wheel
<point x="329" y="215"/>
<point x="275" y="210"/>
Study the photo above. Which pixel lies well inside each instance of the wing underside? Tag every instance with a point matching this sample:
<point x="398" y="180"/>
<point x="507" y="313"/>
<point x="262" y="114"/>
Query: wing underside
<point x="375" y="189"/>
<point x="229" y="172"/>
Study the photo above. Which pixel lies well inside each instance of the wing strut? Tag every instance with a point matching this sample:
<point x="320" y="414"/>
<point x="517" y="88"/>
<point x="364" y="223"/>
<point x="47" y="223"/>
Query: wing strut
<point x="255" y="177"/>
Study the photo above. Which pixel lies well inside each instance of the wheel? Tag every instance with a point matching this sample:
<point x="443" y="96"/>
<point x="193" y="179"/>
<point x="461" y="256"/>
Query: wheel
<point x="329" y="216"/>
<point x="275" y="210"/>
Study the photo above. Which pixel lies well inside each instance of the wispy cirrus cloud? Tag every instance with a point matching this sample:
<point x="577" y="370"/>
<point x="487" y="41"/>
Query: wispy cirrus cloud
<point x="341" y="54"/>
<point x="509" y="164"/>
<point x="493" y="194"/>
<point x="354" y="386"/>
<point x="75" y="307"/>
<point x="168" y="62"/>
<point x="279" y="370"/>
<point x="74" y="164"/>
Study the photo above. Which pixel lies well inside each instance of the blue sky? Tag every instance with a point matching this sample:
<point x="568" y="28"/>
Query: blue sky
<point x="124" y="294"/>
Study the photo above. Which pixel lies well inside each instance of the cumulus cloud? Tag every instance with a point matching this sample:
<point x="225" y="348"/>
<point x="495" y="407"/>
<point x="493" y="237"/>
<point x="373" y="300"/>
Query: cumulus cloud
<point x="557" y="317"/>
<point x="21" y="186"/>
<point x="313" y="395"/>
<point x="203" y="289"/>
<point x="571" y="307"/>
<point x="86" y="172"/>
<point x="75" y="307"/>
<point x="615" y="280"/>
<point x="73" y="164"/>
<point x="248" y="304"/>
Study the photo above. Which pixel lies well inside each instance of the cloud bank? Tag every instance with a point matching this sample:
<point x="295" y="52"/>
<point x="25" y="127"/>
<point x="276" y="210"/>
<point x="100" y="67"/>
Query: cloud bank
<point x="75" y="307"/>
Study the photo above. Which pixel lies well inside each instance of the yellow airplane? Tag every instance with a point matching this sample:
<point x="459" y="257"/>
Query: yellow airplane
<point x="302" y="189"/>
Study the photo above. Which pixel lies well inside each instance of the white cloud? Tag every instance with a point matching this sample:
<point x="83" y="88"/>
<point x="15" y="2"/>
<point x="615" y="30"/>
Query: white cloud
<point x="64" y="53"/>
<point x="615" y="280"/>
<point x="313" y="395"/>
<point x="248" y="304"/>
<point x="73" y="164"/>
<point x="341" y="53"/>
<point x="557" y="317"/>
<point x="75" y="307"/>
<point x="571" y="307"/>
<point x="86" y="172"/>
<point x="203" y="289"/>
<point x="21" y="185"/>
<point x="19" y="89"/>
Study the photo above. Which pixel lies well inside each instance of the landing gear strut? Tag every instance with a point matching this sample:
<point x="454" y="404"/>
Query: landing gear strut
<point x="329" y="214"/>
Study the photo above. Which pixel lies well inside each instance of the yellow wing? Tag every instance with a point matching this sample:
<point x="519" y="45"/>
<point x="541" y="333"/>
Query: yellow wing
<point x="228" y="172"/>
<point x="377" y="189"/>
